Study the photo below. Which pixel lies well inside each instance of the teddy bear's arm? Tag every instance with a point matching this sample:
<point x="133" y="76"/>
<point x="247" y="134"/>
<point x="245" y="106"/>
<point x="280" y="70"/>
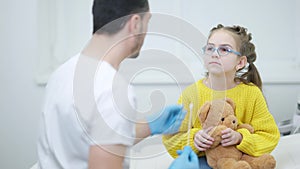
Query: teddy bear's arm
<point x="216" y="133"/>
<point x="246" y="126"/>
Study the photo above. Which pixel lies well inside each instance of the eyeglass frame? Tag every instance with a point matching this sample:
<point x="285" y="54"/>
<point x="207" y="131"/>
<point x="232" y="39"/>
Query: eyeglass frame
<point x="217" y="49"/>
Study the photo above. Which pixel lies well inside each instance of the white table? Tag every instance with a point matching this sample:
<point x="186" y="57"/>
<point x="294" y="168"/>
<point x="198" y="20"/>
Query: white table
<point x="287" y="152"/>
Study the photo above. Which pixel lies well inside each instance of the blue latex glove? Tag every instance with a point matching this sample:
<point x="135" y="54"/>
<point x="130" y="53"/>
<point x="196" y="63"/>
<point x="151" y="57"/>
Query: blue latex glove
<point x="187" y="159"/>
<point x="167" y="121"/>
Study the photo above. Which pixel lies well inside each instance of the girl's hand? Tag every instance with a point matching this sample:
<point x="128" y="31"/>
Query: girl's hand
<point x="202" y="140"/>
<point x="231" y="137"/>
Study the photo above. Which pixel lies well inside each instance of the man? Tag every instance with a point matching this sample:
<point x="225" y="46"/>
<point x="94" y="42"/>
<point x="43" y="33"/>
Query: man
<point x="84" y="125"/>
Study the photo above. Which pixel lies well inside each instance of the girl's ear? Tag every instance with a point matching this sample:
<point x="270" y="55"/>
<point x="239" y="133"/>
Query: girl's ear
<point x="242" y="61"/>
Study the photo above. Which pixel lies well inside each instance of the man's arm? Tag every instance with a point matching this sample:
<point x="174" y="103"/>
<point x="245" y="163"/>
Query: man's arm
<point x="142" y="131"/>
<point x="111" y="156"/>
<point x="106" y="156"/>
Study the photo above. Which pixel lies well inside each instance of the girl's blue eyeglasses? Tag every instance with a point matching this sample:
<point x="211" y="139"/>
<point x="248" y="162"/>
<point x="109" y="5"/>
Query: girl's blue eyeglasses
<point x="221" y="50"/>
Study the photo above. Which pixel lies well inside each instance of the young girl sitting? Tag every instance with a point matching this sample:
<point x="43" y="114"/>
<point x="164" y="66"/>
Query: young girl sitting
<point x="229" y="57"/>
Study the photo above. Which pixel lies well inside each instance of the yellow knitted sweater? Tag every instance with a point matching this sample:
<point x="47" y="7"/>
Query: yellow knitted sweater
<point x="251" y="108"/>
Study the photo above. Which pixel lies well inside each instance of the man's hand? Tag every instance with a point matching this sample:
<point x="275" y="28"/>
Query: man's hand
<point x="167" y="121"/>
<point x="187" y="159"/>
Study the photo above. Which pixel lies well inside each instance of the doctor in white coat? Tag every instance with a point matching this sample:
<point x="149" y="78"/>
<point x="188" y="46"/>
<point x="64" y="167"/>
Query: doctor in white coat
<point x="88" y="120"/>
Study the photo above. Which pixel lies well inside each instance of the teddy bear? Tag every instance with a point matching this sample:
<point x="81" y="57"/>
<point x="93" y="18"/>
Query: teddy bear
<point x="220" y="115"/>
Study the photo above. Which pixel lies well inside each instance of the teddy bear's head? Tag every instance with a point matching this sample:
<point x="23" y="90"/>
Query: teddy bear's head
<point x="218" y="112"/>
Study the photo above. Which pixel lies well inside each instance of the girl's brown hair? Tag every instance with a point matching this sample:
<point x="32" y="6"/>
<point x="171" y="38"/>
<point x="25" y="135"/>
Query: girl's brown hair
<point x="250" y="74"/>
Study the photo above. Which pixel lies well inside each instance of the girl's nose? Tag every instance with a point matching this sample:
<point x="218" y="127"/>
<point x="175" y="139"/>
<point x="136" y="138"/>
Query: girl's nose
<point x="215" y="54"/>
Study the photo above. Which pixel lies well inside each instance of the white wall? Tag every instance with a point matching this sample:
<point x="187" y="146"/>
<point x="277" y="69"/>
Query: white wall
<point x="297" y="34"/>
<point x="21" y="98"/>
<point x="275" y="26"/>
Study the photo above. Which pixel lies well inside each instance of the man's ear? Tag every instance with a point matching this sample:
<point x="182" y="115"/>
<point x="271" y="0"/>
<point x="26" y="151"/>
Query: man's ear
<point x="135" y="24"/>
<point x="241" y="63"/>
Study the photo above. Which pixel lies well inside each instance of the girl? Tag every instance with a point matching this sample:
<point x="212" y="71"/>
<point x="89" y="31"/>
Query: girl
<point x="229" y="57"/>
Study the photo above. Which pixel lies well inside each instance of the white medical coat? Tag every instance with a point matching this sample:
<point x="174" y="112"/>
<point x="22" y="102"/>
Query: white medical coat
<point x="67" y="132"/>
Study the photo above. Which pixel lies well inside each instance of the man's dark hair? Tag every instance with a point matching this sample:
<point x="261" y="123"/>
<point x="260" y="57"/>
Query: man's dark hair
<point x="107" y="11"/>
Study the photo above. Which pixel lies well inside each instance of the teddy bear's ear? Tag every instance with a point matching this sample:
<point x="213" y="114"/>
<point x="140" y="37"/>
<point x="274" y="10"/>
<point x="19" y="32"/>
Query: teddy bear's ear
<point x="204" y="111"/>
<point x="228" y="100"/>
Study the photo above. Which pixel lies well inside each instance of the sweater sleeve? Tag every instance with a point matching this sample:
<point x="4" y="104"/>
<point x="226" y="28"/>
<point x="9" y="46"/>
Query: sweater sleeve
<point x="177" y="141"/>
<point x="266" y="134"/>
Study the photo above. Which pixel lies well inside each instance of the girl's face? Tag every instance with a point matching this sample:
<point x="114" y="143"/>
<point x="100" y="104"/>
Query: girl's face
<point x="227" y="64"/>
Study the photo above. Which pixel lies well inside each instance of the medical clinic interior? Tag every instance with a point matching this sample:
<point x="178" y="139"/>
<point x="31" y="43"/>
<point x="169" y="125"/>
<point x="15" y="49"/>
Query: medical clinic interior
<point x="37" y="36"/>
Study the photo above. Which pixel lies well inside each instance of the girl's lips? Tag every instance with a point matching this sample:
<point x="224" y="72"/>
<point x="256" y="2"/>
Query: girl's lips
<point x="214" y="63"/>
